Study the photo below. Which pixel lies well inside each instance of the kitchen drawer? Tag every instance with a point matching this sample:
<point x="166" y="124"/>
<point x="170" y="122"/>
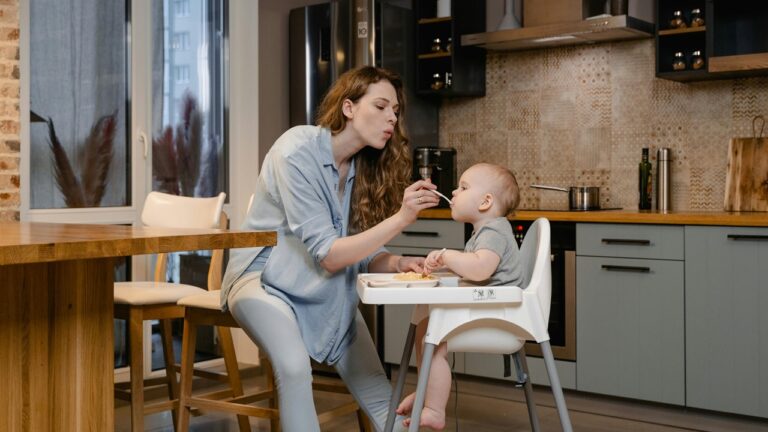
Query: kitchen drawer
<point x="631" y="241"/>
<point x="432" y="234"/>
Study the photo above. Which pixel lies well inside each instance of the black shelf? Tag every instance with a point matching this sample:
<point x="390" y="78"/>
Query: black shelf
<point x="465" y="64"/>
<point x="733" y="41"/>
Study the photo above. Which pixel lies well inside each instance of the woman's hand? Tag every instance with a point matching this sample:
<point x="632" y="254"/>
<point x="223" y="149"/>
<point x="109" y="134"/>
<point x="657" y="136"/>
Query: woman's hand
<point x="406" y="264"/>
<point x="416" y="199"/>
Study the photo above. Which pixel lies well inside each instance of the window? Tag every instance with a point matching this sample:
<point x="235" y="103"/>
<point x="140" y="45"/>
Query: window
<point x="181" y="8"/>
<point x="181" y="41"/>
<point x="181" y="73"/>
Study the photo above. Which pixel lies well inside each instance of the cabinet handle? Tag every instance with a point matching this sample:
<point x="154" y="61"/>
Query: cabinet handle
<point x="421" y="234"/>
<point x="626" y="268"/>
<point x="747" y="237"/>
<point x="627" y="242"/>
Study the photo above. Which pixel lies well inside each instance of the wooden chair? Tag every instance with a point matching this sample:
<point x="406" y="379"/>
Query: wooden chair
<point x="204" y="309"/>
<point x="136" y="302"/>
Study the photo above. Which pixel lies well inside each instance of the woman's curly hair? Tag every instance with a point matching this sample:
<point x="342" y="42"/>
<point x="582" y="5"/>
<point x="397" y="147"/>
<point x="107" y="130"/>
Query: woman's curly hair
<point x="382" y="175"/>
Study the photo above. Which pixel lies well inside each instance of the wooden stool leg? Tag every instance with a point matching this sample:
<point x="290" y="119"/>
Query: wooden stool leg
<point x="136" y="362"/>
<point x="362" y="421"/>
<point x="233" y="371"/>
<point x="187" y="365"/>
<point x="274" y="425"/>
<point x="166" y="335"/>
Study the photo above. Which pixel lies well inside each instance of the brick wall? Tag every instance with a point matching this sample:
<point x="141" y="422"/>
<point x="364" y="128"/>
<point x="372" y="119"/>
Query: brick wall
<point x="9" y="110"/>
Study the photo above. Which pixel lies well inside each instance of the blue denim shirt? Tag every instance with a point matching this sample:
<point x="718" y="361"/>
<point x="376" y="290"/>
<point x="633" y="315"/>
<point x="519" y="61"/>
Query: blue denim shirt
<point x="296" y="196"/>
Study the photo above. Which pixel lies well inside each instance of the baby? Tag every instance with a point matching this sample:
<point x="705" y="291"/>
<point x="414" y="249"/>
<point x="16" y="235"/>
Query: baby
<point x="486" y="194"/>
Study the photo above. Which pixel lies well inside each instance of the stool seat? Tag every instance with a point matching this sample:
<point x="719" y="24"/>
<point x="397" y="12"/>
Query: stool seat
<point x="204" y="300"/>
<point x="148" y="293"/>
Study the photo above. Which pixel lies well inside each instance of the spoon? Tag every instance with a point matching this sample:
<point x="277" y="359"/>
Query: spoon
<point x="440" y="195"/>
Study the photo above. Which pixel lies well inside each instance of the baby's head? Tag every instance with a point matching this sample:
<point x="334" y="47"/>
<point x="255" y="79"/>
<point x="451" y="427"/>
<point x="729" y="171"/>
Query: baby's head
<point x="502" y="184"/>
<point x="492" y="191"/>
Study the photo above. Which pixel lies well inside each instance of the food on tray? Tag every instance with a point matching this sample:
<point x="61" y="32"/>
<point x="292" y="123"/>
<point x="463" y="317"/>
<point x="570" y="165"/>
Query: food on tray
<point x="412" y="276"/>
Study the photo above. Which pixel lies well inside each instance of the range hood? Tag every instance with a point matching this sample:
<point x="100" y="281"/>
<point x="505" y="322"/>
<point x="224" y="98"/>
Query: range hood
<point x="594" y="30"/>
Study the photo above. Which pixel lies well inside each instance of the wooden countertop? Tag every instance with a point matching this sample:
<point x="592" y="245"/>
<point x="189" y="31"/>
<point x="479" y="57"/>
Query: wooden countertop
<point x="753" y="219"/>
<point x="29" y="242"/>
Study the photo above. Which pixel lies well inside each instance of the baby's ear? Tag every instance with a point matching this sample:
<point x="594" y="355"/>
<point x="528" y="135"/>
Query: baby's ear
<point x="486" y="203"/>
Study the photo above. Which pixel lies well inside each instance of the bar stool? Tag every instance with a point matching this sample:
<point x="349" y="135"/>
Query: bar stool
<point x="137" y="302"/>
<point x="204" y="309"/>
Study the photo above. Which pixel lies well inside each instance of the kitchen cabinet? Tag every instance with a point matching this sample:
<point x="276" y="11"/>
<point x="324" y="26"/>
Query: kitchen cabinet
<point x="492" y="366"/>
<point x="440" y="55"/>
<point x="733" y="40"/>
<point x="726" y="297"/>
<point x="630" y="320"/>
<point x="418" y="239"/>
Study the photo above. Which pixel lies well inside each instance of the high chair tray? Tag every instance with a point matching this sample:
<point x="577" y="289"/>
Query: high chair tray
<point x="373" y="288"/>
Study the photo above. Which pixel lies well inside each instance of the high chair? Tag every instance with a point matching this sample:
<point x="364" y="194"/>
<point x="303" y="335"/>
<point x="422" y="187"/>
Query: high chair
<point x="136" y="302"/>
<point x="483" y="319"/>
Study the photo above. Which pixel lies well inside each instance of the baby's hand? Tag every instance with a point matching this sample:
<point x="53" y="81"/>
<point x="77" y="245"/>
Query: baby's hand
<point x="434" y="261"/>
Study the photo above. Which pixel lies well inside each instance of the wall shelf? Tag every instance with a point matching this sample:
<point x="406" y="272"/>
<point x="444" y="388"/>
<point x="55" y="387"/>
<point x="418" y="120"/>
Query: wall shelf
<point x="733" y="43"/>
<point x="463" y="67"/>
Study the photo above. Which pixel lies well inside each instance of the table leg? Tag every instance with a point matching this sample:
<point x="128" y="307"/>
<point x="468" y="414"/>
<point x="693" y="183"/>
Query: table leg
<point x="57" y="346"/>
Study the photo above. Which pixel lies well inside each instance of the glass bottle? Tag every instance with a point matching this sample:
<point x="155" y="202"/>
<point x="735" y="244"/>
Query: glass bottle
<point x="437" y="82"/>
<point x="449" y="44"/>
<point x="644" y="183"/>
<point x="436" y="45"/>
<point x="448" y="80"/>
<point x="678" y="63"/>
<point x="697" y="20"/>
<point x="697" y="61"/>
<point x="677" y="21"/>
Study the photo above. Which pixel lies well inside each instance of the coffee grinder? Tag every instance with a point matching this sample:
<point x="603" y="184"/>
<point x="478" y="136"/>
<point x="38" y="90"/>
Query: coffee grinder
<point x="439" y="165"/>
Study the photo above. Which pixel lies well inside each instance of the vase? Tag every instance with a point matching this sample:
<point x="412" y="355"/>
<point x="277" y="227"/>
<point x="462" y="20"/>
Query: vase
<point x="509" y="21"/>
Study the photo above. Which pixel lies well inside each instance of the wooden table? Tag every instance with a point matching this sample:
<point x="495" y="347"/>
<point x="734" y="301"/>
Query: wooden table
<point x="56" y="341"/>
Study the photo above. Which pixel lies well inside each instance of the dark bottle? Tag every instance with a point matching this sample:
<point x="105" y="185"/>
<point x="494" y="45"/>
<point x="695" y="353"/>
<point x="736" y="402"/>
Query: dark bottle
<point x="645" y="182"/>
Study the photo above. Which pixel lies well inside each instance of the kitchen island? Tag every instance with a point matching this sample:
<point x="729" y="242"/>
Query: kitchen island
<point x="56" y="317"/>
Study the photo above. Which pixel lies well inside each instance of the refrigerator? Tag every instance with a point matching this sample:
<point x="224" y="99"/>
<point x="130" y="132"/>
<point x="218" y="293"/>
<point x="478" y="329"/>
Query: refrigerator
<point x="328" y="39"/>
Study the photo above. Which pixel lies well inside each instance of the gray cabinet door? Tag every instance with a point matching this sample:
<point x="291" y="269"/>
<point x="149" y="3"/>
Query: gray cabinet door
<point x="726" y="294"/>
<point x="630" y="340"/>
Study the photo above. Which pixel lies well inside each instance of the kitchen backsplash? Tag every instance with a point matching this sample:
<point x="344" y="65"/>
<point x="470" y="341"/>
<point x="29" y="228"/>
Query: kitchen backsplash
<point x="579" y="116"/>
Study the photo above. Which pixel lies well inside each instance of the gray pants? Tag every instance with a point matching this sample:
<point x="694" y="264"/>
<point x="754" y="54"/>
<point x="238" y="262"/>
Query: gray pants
<point x="271" y="324"/>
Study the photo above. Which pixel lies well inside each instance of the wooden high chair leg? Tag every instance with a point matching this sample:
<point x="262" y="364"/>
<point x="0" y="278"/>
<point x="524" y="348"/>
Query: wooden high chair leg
<point x="233" y="372"/>
<point x="274" y="425"/>
<point x="136" y="363"/>
<point x="187" y="365"/>
<point x="166" y="334"/>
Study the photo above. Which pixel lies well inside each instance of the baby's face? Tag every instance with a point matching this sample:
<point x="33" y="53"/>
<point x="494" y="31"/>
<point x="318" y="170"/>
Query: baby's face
<point x="474" y="184"/>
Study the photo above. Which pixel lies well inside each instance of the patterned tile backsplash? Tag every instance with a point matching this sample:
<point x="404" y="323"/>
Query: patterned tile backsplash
<point x="579" y="116"/>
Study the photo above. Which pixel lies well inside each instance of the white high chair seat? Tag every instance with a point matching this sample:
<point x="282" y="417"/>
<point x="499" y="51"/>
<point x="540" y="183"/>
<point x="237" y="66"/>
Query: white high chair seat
<point x="143" y="293"/>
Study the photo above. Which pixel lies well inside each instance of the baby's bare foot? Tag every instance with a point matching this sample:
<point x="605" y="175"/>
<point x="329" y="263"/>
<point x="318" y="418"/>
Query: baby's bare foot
<point x="406" y="405"/>
<point x="430" y="418"/>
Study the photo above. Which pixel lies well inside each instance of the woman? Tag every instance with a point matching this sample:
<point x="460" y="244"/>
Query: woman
<point x="334" y="194"/>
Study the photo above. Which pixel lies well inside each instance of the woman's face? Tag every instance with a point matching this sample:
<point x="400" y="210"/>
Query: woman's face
<point x="374" y="115"/>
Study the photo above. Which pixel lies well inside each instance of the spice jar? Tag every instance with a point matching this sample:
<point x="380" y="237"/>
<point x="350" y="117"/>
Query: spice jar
<point x="437" y="82"/>
<point x="696" y="19"/>
<point x="436" y="45"/>
<point x="449" y="44"/>
<point x="678" y="63"/>
<point x="697" y="61"/>
<point x="677" y="21"/>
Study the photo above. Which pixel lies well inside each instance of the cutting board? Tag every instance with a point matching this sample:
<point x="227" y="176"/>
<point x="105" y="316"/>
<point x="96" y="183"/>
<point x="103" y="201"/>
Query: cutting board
<point x="746" y="182"/>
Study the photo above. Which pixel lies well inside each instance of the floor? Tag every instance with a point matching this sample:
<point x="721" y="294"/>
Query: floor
<point x="490" y="406"/>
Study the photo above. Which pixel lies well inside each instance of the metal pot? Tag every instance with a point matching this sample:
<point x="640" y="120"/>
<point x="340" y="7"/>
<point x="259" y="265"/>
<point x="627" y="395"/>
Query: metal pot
<point x="579" y="197"/>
